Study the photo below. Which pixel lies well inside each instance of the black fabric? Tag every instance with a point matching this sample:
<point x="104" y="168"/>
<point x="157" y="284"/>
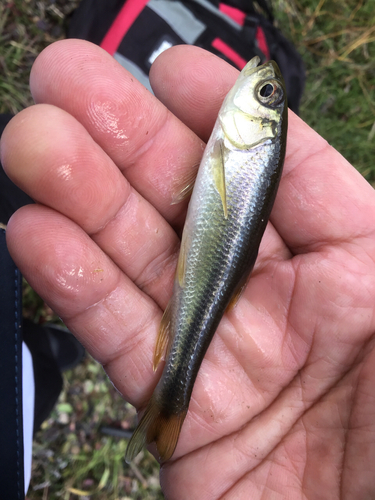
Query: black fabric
<point x="11" y="197"/>
<point x="4" y="120"/>
<point x="248" y="6"/>
<point x="66" y="349"/>
<point x="47" y="376"/>
<point x="219" y="28"/>
<point x="11" y="426"/>
<point x="143" y="35"/>
<point x="93" y="18"/>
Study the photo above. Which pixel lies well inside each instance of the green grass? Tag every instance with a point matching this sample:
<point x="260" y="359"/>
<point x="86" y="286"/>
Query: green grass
<point x="26" y="28"/>
<point x="72" y="457"/>
<point x="337" y="42"/>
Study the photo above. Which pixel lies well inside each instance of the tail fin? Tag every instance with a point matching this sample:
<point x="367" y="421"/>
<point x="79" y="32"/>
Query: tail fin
<point x="156" y="426"/>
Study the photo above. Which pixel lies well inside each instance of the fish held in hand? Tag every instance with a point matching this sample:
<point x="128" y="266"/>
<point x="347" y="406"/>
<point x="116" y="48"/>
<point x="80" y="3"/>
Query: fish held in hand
<point x="228" y="212"/>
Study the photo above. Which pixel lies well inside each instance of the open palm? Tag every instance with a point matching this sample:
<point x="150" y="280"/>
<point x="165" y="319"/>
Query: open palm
<point x="284" y="403"/>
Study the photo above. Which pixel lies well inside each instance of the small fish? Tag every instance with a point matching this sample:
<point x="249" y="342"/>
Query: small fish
<point x="228" y="212"/>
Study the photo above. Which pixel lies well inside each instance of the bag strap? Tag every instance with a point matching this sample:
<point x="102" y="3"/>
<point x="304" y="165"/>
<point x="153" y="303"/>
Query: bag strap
<point x="11" y="427"/>
<point x="247" y="6"/>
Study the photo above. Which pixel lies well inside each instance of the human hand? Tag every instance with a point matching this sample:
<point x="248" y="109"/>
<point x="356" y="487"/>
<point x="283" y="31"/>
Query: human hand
<point x="284" y="402"/>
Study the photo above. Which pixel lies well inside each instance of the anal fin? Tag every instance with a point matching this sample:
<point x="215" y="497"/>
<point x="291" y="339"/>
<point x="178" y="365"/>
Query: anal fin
<point x="242" y="283"/>
<point x="237" y="294"/>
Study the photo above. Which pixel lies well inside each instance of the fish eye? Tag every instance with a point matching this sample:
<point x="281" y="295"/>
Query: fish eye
<point x="270" y="93"/>
<point x="266" y="90"/>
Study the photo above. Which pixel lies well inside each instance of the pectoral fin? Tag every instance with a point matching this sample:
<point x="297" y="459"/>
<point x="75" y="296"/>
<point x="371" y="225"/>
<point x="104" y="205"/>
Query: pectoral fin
<point x="219" y="173"/>
<point x="181" y="264"/>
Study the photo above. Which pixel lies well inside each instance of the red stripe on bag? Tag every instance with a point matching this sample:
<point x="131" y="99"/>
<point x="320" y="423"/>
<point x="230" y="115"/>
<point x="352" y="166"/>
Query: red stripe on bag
<point x="262" y="42"/>
<point x="120" y="26"/>
<point x="235" y="14"/>
<point x="229" y="53"/>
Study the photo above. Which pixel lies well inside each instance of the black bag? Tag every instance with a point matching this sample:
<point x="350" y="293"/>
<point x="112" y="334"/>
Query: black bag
<point x="135" y="32"/>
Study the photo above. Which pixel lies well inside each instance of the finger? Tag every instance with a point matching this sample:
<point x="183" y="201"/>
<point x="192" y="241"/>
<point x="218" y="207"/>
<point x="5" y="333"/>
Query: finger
<point x="192" y="83"/>
<point x="113" y="319"/>
<point x="321" y="199"/>
<point x="69" y="172"/>
<point x="153" y="149"/>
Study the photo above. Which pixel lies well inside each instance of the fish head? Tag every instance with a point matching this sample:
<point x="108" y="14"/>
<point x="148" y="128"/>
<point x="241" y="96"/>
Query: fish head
<point x="255" y="107"/>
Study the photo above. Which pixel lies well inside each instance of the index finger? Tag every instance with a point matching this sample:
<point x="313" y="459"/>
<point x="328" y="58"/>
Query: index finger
<point x="149" y="145"/>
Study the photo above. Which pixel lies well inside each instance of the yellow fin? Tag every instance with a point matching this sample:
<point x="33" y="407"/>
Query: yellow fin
<point x="165" y="431"/>
<point x="219" y="173"/>
<point x="242" y="283"/>
<point x="139" y="438"/>
<point x="237" y="294"/>
<point x="164" y="337"/>
<point x="156" y="426"/>
<point x="185" y="188"/>
<point x="181" y="264"/>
